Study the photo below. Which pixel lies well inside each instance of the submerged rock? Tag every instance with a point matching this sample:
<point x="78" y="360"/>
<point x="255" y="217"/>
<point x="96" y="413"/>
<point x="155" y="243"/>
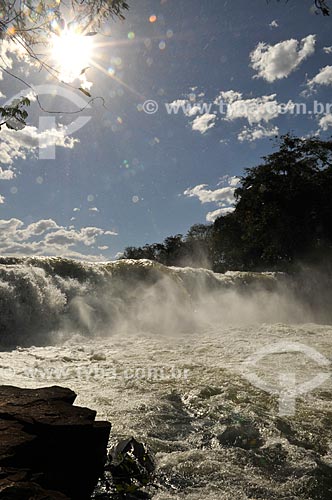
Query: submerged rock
<point x="131" y="466"/>
<point x="244" y="436"/>
<point x="46" y="443"/>
<point x="272" y="457"/>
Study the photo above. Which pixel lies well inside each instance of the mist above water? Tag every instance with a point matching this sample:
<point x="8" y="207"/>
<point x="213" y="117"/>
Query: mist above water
<point x="44" y="300"/>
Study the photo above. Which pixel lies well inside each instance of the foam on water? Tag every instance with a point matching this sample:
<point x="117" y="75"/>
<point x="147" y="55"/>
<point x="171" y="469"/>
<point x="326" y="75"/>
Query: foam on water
<point x="159" y="352"/>
<point x="199" y="390"/>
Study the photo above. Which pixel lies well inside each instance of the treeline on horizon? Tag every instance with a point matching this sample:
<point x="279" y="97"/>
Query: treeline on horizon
<point x="282" y="215"/>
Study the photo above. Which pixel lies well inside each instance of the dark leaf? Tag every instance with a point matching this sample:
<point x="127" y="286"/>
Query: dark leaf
<point x="84" y="70"/>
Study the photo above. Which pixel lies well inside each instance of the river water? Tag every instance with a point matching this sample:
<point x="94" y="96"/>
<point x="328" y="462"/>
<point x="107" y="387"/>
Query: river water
<point x="176" y="357"/>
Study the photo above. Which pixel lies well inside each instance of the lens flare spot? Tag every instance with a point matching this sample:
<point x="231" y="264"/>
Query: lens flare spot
<point x="153" y="18"/>
<point x="116" y="61"/>
<point x="11" y="31"/>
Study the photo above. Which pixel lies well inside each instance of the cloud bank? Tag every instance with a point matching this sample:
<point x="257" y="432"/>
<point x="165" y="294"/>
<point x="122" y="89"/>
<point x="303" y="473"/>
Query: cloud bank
<point x="22" y="143"/>
<point x="46" y="238"/>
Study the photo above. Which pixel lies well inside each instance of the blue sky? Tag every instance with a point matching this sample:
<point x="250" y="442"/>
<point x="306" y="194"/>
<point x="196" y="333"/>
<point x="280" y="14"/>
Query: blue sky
<point x="128" y="177"/>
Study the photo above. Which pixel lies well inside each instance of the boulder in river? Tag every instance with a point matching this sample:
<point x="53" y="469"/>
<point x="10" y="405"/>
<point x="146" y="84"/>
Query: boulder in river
<point x="244" y="436"/>
<point x="46" y="443"/>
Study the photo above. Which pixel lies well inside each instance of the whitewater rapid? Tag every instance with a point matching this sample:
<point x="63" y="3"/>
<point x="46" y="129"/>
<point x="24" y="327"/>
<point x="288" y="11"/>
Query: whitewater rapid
<point x="121" y="338"/>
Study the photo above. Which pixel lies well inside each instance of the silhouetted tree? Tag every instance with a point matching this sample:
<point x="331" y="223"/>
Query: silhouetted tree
<point x="195" y="249"/>
<point x="283" y="212"/>
<point x="283" y="209"/>
<point x="321" y="6"/>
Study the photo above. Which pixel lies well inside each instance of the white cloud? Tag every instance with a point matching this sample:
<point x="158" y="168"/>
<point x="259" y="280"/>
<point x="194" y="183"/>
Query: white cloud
<point x="10" y="223"/>
<point x="6" y="61"/>
<point x="13" y="229"/>
<point x="38" y="228"/>
<point x="327" y="50"/>
<point x="204" y="122"/>
<point x="2" y="199"/>
<point x="260" y="132"/>
<point x="8" y="49"/>
<point x="326" y="122"/>
<point x="274" y="62"/>
<point x="232" y="105"/>
<point x="232" y="181"/>
<point x="199" y="110"/>
<point x="177" y="105"/>
<point x="223" y="197"/>
<point x="94" y="209"/>
<point x="212" y="216"/>
<point x="20" y="143"/>
<point x="255" y="110"/>
<point x="274" y="24"/>
<point x="229" y="96"/>
<point x="324" y="77"/>
<point x="46" y="237"/>
<point x="6" y="175"/>
<point x="193" y="110"/>
<point x="70" y="237"/>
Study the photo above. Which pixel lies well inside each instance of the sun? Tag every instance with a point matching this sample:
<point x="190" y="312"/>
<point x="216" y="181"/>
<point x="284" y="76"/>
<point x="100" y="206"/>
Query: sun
<point x="71" y="52"/>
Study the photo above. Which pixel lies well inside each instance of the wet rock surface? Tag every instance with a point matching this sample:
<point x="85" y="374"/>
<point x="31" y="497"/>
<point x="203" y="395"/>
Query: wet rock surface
<point x="49" y="449"/>
<point x="243" y="436"/>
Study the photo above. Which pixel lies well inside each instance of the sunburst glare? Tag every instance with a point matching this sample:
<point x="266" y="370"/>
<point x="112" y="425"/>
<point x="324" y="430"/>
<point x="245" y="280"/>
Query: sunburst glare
<point x="72" y="52"/>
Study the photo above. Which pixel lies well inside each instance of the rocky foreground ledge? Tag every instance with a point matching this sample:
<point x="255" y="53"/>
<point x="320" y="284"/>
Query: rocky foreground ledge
<point x="49" y="449"/>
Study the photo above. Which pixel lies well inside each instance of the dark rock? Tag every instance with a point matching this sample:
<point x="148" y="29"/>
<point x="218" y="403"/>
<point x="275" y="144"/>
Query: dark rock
<point x="131" y="466"/>
<point x="303" y="438"/>
<point x="323" y="477"/>
<point x="60" y="445"/>
<point x="27" y="491"/>
<point x="244" y="436"/>
<point x="15" y="442"/>
<point x="272" y="458"/>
